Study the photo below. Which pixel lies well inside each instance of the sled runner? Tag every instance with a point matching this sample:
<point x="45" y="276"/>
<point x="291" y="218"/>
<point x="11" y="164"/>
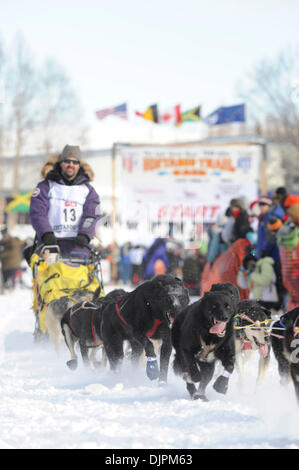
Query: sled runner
<point x="55" y="277"/>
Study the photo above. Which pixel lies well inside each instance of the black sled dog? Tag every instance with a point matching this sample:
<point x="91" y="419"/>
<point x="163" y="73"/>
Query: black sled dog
<point x="202" y="334"/>
<point x="146" y="313"/>
<point x="82" y="324"/>
<point x="285" y="344"/>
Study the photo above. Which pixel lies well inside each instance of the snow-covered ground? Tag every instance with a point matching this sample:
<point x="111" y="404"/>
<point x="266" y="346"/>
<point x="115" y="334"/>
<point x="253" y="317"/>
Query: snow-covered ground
<point x="44" y="405"/>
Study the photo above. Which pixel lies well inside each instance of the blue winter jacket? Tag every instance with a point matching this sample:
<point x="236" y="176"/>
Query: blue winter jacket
<point x="156" y="251"/>
<point x="266" y="241"/>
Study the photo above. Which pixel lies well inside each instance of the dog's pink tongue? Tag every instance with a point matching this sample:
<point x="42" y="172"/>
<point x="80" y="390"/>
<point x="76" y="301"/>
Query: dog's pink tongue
<point x="264" y="349"/>
<point x="219" y="327"/>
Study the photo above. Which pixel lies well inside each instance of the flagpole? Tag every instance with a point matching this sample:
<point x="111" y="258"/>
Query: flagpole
<point x="113" y="213"/>
<point x="263" y="180"/>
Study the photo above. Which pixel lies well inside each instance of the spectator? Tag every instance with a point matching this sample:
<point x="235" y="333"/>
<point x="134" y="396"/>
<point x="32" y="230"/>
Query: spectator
<point x="192" y="269"/>
<point x="266" y="239"/>
<point x="136" y="258"/>
<point x="227" y="231"/>
<point x="216" y="244"/>
<point x="174" y="250"/>
<point x="280" y="195"/>
<point x="237" y="225"/>
<point x="288" y="242"/>
<point x="241" y="225"/>
<point x="125" y="263"/>
<point x="291" y="207"/>
<point x="254" y="213"/>
<point x="156" y="251"/>
<point x="266" y="243"/>
<point x="11" y="258"/>
<point x="258" y="276"/>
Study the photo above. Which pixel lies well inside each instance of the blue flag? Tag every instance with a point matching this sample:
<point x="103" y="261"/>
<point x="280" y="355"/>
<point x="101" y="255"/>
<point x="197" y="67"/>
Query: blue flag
<point x="226" y="114"/>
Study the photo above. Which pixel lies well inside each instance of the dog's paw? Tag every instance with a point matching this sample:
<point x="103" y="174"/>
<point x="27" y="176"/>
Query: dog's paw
<point x="162" y="383"/>
<point x="199" y="396"/>
<point x="221" y="384"/>
<point x="152" y="369"/>
<point x="72" y="364"/>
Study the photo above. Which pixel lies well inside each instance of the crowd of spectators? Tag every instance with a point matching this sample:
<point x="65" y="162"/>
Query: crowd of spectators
<point x="136" y="262"/>
<point x="268" y="271"/>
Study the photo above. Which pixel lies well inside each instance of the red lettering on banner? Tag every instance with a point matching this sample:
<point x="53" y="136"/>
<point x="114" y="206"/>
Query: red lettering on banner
<point x="162" y="212"/>
<point x="176" y="211"/>
<point x="199" y="213"/>
<point x="214" y="209"/>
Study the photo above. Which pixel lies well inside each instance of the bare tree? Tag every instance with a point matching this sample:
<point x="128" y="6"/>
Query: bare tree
<point x="21" y="93"/>
<point x="59" y="106"/>
<point x="272" y="94"/>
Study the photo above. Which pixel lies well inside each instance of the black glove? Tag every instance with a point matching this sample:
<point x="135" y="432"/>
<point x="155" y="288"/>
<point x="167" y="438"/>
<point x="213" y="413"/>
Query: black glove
<point x="152" y="369"/>
<point x="81" y="240"/>
<point x="28" y="252"/>
<point x="49" y="238"/>
<point x="221" y="384"/>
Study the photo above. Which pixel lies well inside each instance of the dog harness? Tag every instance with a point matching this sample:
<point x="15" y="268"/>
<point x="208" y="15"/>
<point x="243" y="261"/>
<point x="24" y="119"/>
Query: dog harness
<point x="93" y="308"/>
<point x="118" y="312"/>
<point x="150" y="333"/>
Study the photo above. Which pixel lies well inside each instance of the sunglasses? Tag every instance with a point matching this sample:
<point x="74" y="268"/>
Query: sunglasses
<point x="74" y="162"/>
<point x="263" y="204"/>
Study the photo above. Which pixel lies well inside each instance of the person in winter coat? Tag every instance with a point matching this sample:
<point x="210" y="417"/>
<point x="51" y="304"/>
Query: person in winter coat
<point x="125" y="263"/>
<point x="279" y="196"/>
<point x="258" y="276"/>
<point x="241" y="226"/>
<point x="216" y="244"/>
<point x="266" y="238"/>
<point x="266" y="243"/>
<point x="11" y="257"/>
<point x="237" y="225"/>
<point x="192" y="268"/>
<point x="65" y="204"/>
<point x="291" y="206"/>
<point x="136" y="259"/>
<point x="157" y="251"/>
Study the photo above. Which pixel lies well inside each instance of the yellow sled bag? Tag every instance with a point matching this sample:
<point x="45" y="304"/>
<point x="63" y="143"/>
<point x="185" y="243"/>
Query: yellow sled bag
<point x="59" y="279"/>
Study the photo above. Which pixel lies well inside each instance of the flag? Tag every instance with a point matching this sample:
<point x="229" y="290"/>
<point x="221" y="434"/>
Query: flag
<point x="171" y="116"/>
<point x="120" y="111"/>
<point x="19" y="203"/>
<point x="226" y="114"/>
<point x="151" y="114"/>
<point x="192" y="115"/>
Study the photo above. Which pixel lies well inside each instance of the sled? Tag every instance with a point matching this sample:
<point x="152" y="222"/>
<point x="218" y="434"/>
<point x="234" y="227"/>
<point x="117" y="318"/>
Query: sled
<point x="55" y="276"/>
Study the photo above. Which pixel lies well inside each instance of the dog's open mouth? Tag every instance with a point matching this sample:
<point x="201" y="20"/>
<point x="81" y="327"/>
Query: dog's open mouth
<point x="263" y="347"/>
<point x="219" y="328"/>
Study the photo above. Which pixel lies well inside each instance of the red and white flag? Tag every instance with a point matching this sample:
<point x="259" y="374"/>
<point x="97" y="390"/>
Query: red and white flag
<point x="171" y="115"/>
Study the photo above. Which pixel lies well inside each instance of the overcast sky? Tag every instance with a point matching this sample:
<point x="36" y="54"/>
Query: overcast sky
<point x="169" y="52"/>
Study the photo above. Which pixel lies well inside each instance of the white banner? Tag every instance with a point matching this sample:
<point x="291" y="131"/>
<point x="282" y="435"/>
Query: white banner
<point x="179" y="183"/>
<point x="233" y="163"/>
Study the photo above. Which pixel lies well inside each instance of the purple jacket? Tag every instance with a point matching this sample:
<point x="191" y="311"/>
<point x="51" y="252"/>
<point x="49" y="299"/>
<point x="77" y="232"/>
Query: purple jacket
<point x="156" y="251"/>
<point x="56" y="200"/>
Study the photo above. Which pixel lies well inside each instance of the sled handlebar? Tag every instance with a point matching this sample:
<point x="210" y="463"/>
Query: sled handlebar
<point x="94" y="255"/>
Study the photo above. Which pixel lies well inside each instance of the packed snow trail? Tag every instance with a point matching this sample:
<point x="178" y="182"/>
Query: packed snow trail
<point x="44" y="405"/>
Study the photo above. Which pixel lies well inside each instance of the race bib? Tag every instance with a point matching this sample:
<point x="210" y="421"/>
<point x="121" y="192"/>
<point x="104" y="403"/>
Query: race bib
<point x="66" y="208"/>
